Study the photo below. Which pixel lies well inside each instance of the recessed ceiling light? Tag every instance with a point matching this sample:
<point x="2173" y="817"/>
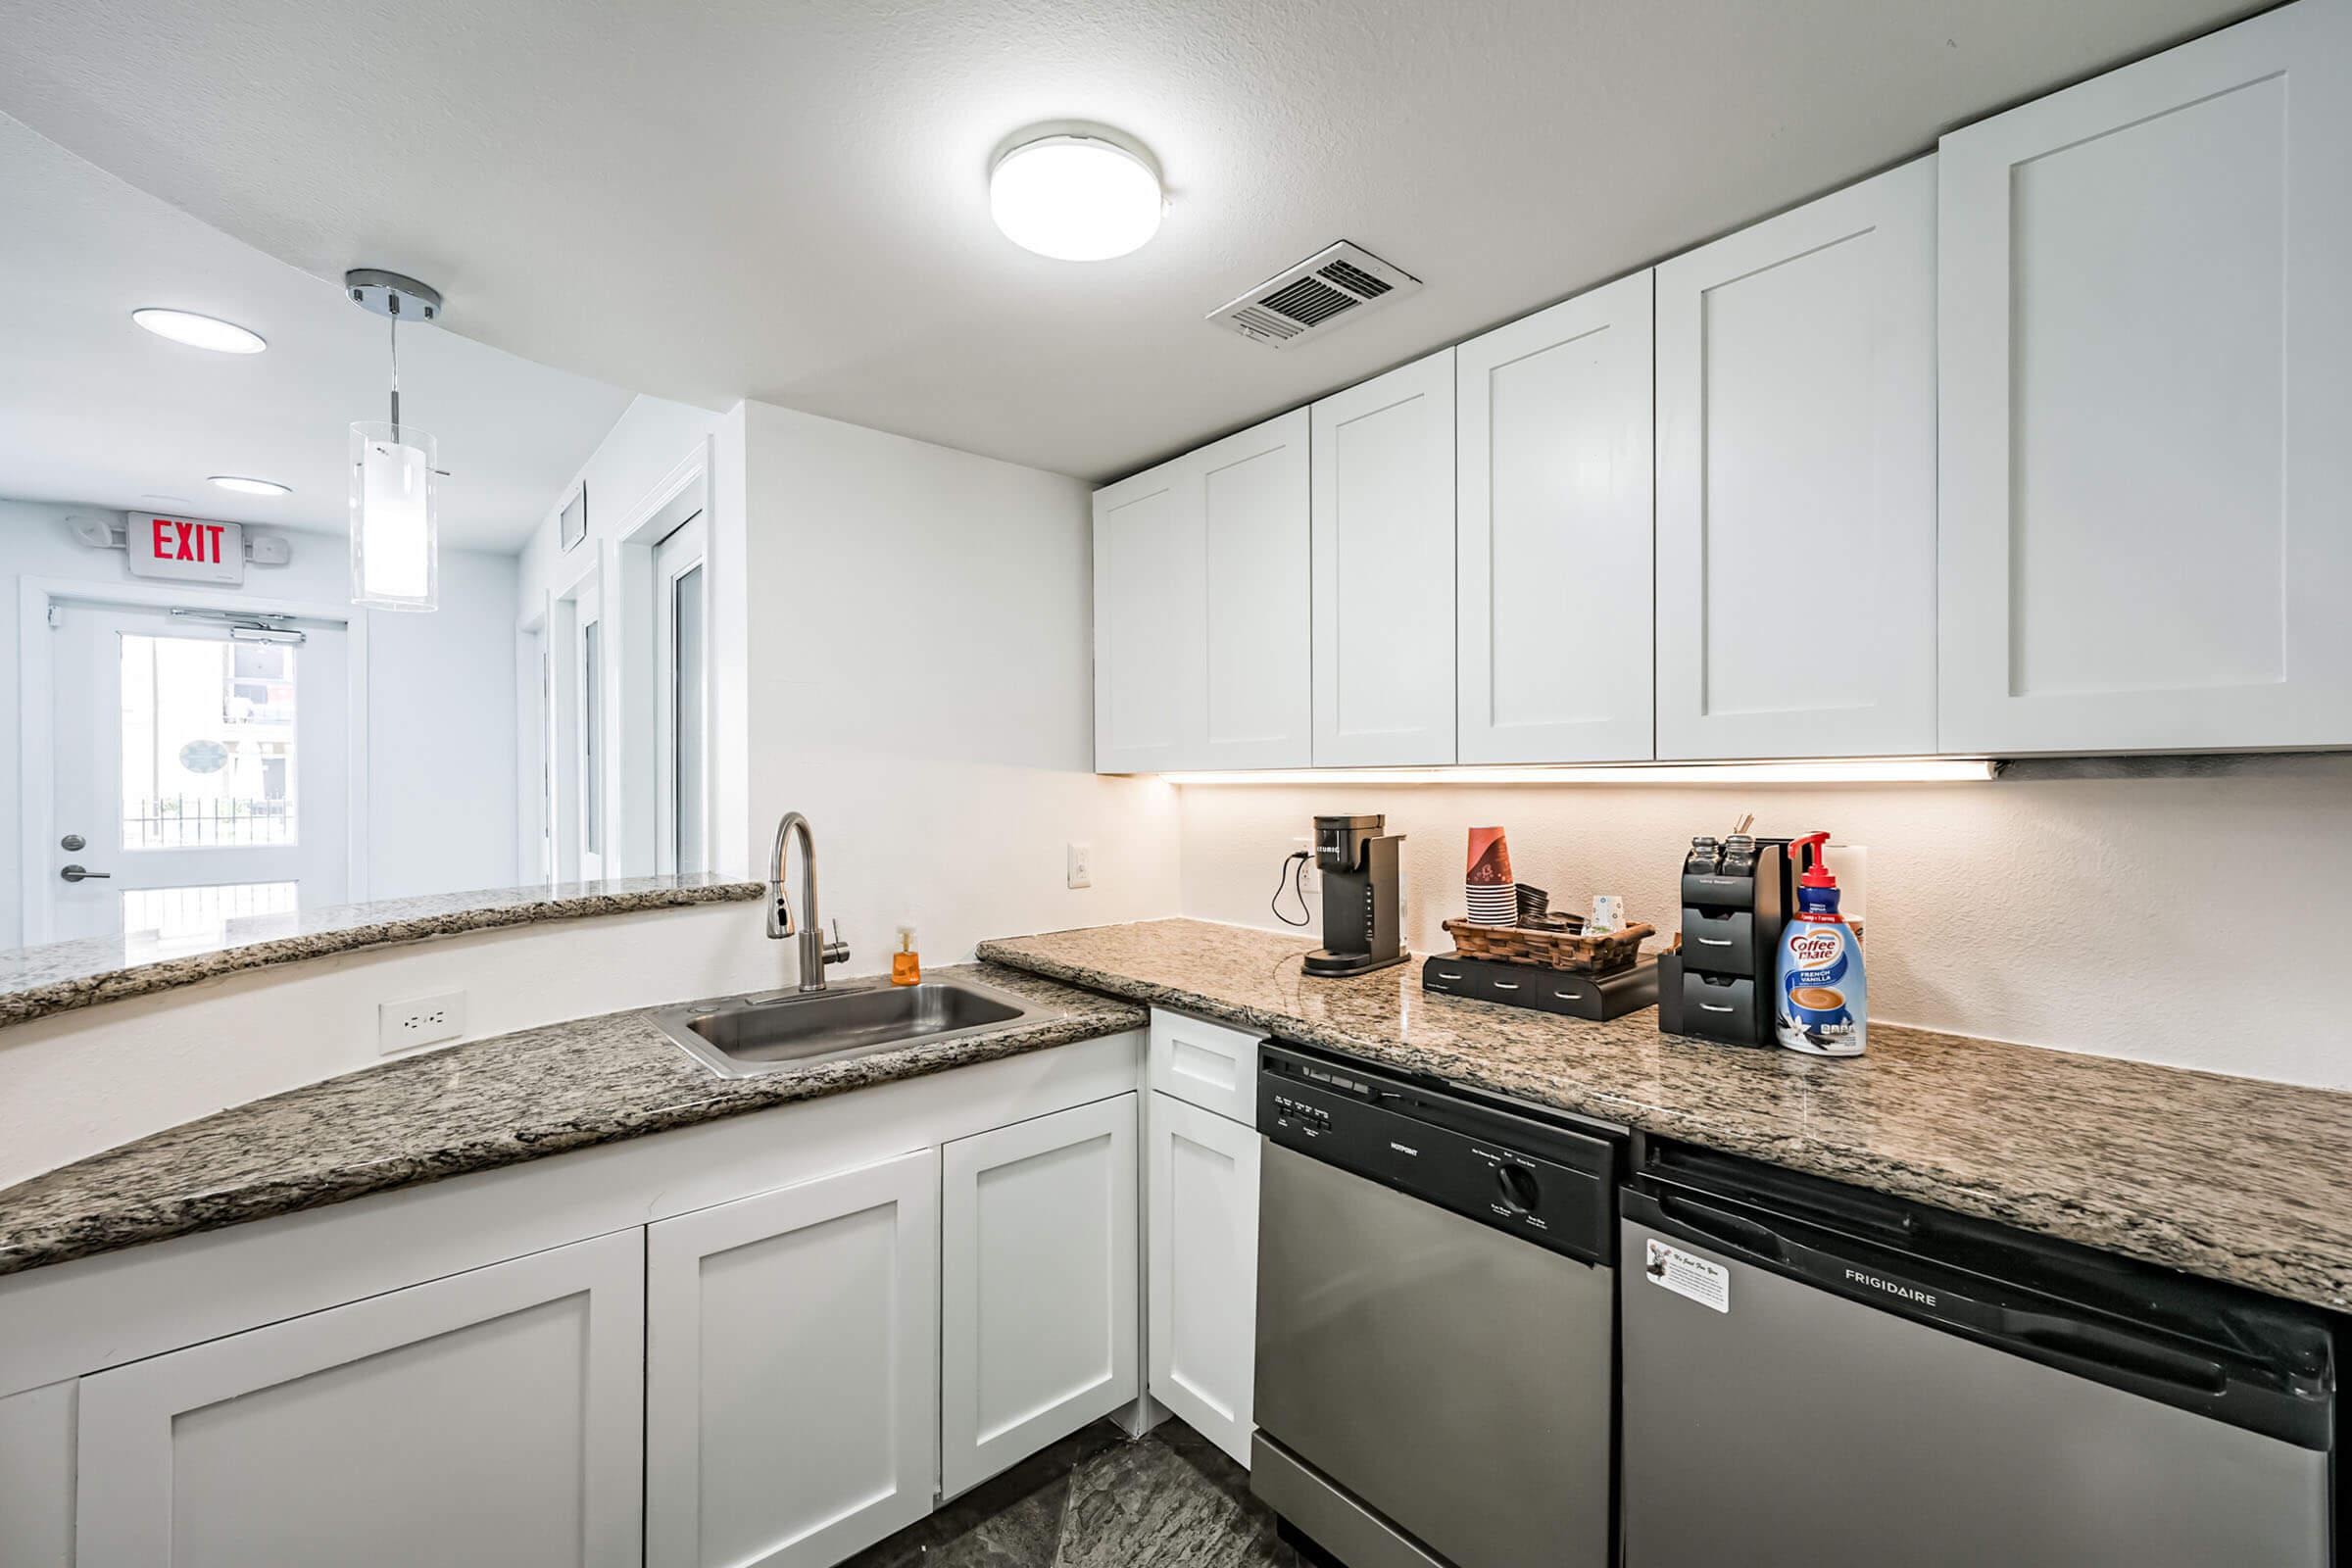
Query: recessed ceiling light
<point x="252" y="487"/>
<point x="200" y="331"/>
<point x="1075" y="198"/>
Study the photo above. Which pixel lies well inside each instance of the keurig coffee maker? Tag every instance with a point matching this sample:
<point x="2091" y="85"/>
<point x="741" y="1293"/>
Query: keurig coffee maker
<point x="1360" y="914"/>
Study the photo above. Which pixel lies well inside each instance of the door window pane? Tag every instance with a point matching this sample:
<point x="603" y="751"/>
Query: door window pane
<point x="688" y="708"/>
<point x="207" y="743"/>
<point x="156" y="919"/>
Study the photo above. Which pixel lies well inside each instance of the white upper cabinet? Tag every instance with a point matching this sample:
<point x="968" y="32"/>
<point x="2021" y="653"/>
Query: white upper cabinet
<point x="1200" y="608"/>
<point x="1257" y="709"/>
<point x="2145" y="400"/>
<point x="1149" y="634"/>
<point x="1796" y="482"/>
<point x="1382" y="501"/>
<point x="1554" y="541"/>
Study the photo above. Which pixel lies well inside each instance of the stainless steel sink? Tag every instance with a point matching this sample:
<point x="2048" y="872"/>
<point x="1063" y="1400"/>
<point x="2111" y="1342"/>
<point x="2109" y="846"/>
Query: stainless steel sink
<point x="741" y="1037"/>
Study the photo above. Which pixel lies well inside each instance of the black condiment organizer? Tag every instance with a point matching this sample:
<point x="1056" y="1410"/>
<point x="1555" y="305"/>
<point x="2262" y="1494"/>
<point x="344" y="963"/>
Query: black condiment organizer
<point x="1718" y="985"/>
<point x="1570" y="992"/>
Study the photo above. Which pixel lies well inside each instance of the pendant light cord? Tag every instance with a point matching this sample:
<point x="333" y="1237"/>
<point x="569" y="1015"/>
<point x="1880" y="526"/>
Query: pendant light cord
<point x="395" y="318"/>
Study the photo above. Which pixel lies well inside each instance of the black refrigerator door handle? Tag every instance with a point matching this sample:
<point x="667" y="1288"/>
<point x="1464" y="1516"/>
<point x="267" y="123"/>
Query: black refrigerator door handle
<point x="1728" y="1230"/>
<point x="2098" y="1350"/>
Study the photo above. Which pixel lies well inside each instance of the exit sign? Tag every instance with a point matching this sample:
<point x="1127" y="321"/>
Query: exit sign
<point x="186" y="549"/>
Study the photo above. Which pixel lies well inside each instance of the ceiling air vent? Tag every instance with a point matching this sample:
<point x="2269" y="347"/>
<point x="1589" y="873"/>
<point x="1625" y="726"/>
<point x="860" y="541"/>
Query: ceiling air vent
<point x="1330" y="288"/>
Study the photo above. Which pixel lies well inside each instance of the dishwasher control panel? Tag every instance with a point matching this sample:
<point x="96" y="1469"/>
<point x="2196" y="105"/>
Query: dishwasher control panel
<point x="1553" y="1185"/>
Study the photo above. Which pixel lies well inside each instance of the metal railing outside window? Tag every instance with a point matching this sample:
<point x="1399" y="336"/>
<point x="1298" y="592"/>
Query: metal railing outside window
<point x="189" y="822"/>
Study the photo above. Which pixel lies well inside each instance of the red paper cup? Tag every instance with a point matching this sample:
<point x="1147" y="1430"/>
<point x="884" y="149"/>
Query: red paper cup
<point x="1490" y="864"/>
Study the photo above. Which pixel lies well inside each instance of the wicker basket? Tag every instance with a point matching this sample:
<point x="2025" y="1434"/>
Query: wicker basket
<point x="1549" y="950"/>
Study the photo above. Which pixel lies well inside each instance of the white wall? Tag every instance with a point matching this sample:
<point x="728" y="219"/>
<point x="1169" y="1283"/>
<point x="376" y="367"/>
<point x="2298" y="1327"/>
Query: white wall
<point x="2187" y="912"/>
<point x="919" y="680"/>
<point x="645" y="447"/>
<point x="441" y="749"/>
<point x="652" y="436"/>
<point x="441" y="723"/>
<point x="900" y="649"/>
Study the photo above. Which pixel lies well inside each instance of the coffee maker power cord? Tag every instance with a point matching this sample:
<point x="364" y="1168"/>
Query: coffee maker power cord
<point x="1296" y="880"/>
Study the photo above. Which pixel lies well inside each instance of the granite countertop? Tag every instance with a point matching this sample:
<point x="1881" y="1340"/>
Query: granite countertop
<point x="35" y="982"/>
<point x="472" y="1107"/>
<point x="2232" y="1178"/>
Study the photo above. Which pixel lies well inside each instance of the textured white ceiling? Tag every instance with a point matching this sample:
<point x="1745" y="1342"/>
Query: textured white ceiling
<point x="711" y="199"/>
<point x="95" y="410"/>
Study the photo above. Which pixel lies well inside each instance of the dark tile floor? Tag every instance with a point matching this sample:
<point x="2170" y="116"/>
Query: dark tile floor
<point x="1099" y="1501"/>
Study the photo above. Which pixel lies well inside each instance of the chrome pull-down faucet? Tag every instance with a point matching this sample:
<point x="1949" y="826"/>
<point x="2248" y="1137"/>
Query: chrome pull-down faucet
<point x="807" y="929"/>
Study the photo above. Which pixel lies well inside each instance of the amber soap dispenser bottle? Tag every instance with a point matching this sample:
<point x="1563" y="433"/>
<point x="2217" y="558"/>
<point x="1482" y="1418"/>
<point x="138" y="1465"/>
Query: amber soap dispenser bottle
<point x="906" y="965"/>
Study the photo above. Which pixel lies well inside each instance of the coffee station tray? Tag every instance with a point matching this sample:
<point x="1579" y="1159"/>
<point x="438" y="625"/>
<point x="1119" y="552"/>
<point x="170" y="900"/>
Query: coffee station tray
<point x="1529" y="947"/>
<point x="1573" y="994"/>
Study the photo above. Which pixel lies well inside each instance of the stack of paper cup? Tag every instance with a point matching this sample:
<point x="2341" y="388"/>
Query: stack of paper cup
<point x="1492" y="895"/>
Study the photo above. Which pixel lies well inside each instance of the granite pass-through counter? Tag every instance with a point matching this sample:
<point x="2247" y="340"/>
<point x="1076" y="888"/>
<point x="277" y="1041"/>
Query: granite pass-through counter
<point x="2235" y="1179"/>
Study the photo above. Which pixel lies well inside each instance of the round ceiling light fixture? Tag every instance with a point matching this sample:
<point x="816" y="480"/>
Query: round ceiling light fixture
<point x="252" y="487"/>
<point x="1075" y="197"/>
<point x="200" y="331"/>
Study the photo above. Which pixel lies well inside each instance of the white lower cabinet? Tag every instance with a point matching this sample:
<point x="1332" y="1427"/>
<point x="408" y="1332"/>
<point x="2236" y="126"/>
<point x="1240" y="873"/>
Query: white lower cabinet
<point x="493" y="1416"/>
<point x="36" y="1476"/>
<point x="1038" y="1285"/>
<point x="792" y="1379"/>
<point x="1202" y="1300"/>
<point x="1211" y="1065"/>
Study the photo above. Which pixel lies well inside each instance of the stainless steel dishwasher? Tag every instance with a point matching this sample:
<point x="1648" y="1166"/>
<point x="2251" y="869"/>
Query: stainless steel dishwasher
<point x="1436" y="1316"/>
<point x="1816" y="1374"/>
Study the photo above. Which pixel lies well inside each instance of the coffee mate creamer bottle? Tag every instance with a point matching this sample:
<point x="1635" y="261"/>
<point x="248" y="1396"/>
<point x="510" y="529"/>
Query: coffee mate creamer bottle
<point x="1819" y="1000"/>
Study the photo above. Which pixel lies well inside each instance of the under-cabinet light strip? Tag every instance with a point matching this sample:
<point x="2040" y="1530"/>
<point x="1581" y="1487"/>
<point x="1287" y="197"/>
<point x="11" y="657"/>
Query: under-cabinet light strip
<point x="1881" y="771"/>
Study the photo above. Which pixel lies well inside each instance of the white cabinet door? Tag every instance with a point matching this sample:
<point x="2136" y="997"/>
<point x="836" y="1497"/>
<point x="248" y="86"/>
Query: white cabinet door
<point x="1554" y="460"/>
<point x="36" y="1476"/>
<point x="1259" y="703"/>
<point x="2144" y="403"/>
<point x="1796" y="482"/>
<point x="1039" y="1327"/>
<point x="792" y="1382"/>
<point x="494" y="1417"/>
<point x="1210" y="1064"/>
<point x="1203" y="1273"/>
<point x="1149" y="621"/>
<point x="1202" y="632"/>
<point x="1382" y="501"/>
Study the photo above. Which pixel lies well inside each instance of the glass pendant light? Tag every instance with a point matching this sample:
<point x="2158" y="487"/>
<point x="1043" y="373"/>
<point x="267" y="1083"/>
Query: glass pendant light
<point x="395" y="554"/>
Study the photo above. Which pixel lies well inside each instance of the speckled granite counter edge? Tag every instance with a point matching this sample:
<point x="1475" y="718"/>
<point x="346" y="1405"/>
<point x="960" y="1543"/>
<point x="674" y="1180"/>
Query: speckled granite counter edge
<point x="78" y="1211"/>
<point x="2145" y="1235"/>
<point x="26" y="1003"/>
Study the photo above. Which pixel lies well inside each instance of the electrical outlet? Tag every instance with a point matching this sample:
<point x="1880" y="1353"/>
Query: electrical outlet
<point x="428" y="1021"/>
<point x="1081" y="859"/>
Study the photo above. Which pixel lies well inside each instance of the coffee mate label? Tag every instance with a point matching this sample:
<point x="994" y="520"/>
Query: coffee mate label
<point x="1821" y="1003"/>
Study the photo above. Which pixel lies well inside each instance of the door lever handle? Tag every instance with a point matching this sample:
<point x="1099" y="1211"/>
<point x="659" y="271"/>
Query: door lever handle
<point x="76" y="873"/>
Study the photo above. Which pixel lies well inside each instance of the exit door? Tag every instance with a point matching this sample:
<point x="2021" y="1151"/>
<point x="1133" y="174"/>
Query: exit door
<point x="201" y="774"/>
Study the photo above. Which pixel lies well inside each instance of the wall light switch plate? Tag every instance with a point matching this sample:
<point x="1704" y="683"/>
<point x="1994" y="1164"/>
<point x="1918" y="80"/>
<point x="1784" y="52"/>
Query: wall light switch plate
<point x="1080" y="865"/>
<point x="427" y="1020"/>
